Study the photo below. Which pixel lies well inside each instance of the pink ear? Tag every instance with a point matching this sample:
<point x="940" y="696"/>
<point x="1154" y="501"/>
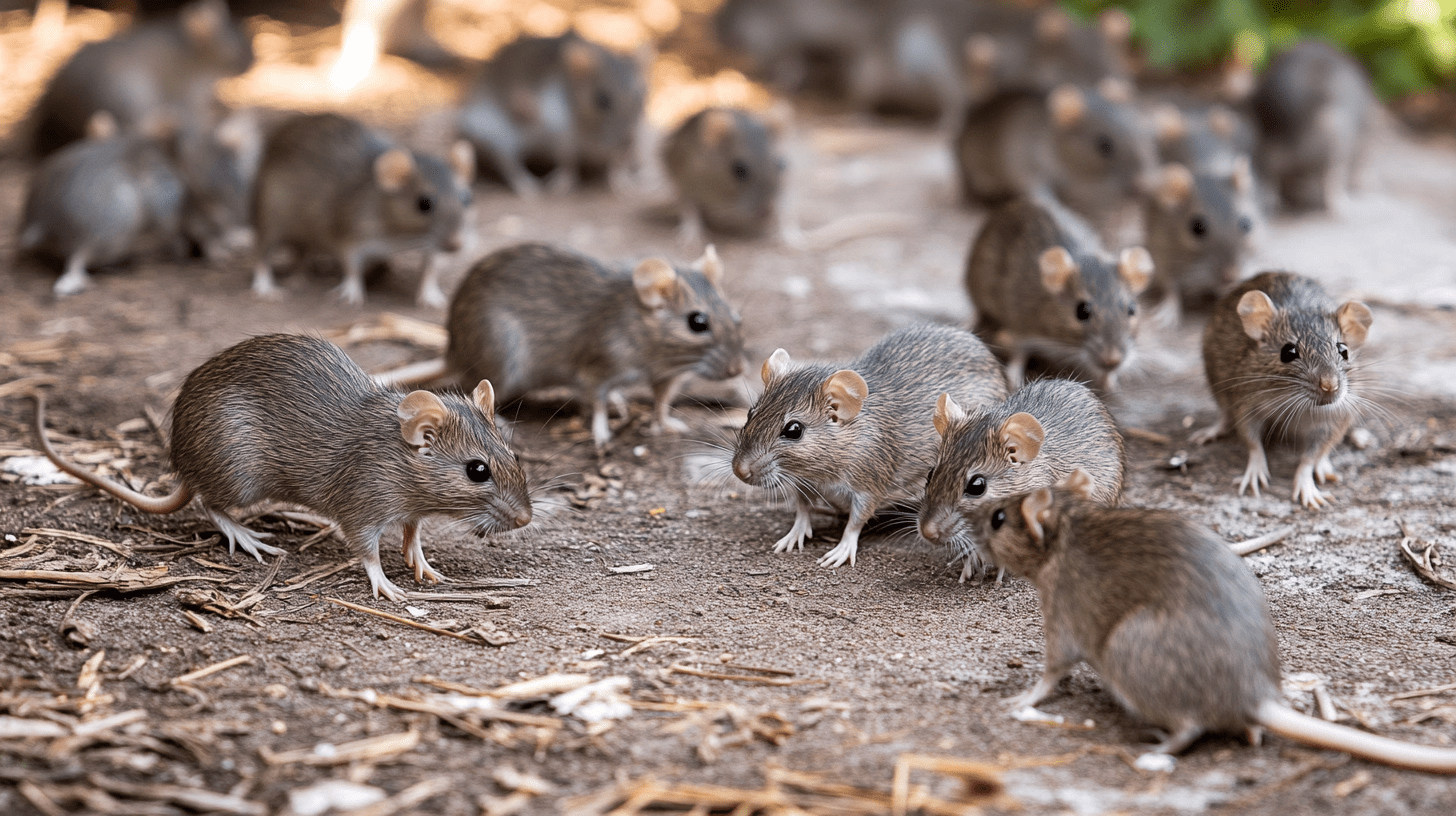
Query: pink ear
<point x="420" y="416"/>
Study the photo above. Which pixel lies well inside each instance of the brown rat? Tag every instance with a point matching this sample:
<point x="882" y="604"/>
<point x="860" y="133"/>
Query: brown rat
<point x="1167" y="615"/>
<point x="1034" y="438"/>
<point x="535" y="316"/>
<point x="857" y="436"/>
<point x="1198" y="228"/>
<point x="1279" y="356"/>
<point x="727" y="170"/>
<point x="292" y="419"/>
<point x="1040" y="283"/>
<point x="329" y="184"/>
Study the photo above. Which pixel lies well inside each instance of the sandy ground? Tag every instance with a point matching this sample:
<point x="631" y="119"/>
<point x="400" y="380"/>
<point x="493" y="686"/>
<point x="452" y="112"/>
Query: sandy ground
<point x="889" y="658"/>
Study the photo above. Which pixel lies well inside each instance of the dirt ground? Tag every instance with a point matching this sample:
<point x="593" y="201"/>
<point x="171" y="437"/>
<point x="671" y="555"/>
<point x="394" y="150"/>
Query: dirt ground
<point x="847" y="670"/>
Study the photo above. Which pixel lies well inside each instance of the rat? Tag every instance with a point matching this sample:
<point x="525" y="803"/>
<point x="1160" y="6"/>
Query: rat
<point x="101" y="200"/>
<point x="1280" y="362"/>
<point x="727" y="170"/>
<point x="292" y="419"/>
<point x="219" y="166"/>
<point x="1314" y="107"/>
<point x="535" y="316"/>
<point x="1040" y="283"/>
<point x="1034" y="438"/>
<point x="1040" y="48"/>
<point x="154" y="77"/>
<point x="855" y="436"/>
<point x="1198" y="228"/>
<point x="329" y="184"/>
<point x="1168" y="616"/>
<point x="563" y="103"/>
<point x="798" y="44"/>
<point x="1205" y="138"/>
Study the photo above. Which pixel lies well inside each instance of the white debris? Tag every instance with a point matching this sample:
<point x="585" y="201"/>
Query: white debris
<point x="332" y="794"/>
<point x="602" y="700"/>
<point x="35" y="470"/>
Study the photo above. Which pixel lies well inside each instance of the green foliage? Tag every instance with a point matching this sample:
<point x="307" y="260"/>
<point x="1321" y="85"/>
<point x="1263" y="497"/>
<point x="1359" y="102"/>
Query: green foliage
<point x="1407" y="44"/>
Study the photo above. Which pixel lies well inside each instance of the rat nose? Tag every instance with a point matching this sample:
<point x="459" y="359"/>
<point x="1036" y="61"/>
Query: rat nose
<point x="929" y="530"/>
<point x="523" y="516"/>
<point x="735" y="366"/>
<point x="1110" y="359"/>
<point x="1329" y="386"/>
<point x="742" y="471"/>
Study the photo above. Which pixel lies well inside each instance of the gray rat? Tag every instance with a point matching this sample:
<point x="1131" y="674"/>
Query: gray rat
<point x="1280" y="362"/>
<point x="856" y="436"/>
<point x="1087" y="148"/>
<point x="1198" y="228"/>
<point x="563" y="103"/>
<point x="1314" y="108"/>
<point x="796" y="44"/>
<point x="292" y="419"/>
<point x="1167" y="615"/>
<point x="219" y="166"/>
<point x="101" y="200"/>
<point x="535" y="316"/>
<point x="727" y="170"/>
<point x="1034" y="438"/>
<point x="329" y="184"/>
<point x="153" y="78"/>
<point x="1203" y="138"/>
<point x="1016" y="47"/>
<point x="1040" y="283"/>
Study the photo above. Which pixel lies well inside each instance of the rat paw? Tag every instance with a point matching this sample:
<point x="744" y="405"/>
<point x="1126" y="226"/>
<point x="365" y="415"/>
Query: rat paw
<point x="668" y="425"/>
<point x="386" y="589"/>
<point x="432" y="296"/>
<point x="792" y="541"/>
<point x="1324" y="471"/>
<point x="842" y="552"/>
<point x="1256" y="476"/>
<point x="351" y="292"/>
<point x="1307" y="494"/>
<point x="1203" y="436"/>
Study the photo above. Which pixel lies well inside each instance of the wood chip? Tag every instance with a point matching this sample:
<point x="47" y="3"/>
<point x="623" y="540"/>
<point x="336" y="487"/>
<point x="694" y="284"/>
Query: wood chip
<point x="679" y="668"/>
<point x="193" y="798"/>
<point x="1407" y="695"/>
<point x="631" y="569"/>
<point x="1426" y="561"/>
<point x="1253" y="545"/>
<point x="21" y="728"/>
<point x="208" y="671"/>
<point x="469" y="636"/>
<point x="120" y="550"/>
<point x="407" y="799"/>
<point x="370" y="749"/>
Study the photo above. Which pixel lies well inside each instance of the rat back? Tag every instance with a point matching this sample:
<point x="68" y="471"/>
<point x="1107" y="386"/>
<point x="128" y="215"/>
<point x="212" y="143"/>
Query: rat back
<point x="724" y="162"/>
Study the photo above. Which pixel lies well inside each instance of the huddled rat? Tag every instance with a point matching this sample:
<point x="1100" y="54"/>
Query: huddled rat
<point x="1034" y="438"/>
<point x="1198" y="228"/>
<point x="1280" y="359"/>
<point x="292" y="419"/>
<point x="535" y="316"/>
<point x="1167" y="615"/>
<point x="329" y="184"/>
<point x="1041" y="284"/>
<point x="856" y="436"/>
<point x="219" y="166"/>
<point x="1203" y="138"/>
<point x="727" y="170"/>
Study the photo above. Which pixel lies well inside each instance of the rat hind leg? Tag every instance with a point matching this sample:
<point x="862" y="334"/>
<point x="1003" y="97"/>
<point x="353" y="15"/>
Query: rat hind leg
<point x="240" y="536"/>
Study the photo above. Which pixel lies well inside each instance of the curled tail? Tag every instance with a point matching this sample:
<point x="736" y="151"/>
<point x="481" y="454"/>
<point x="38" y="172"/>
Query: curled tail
<point x="1286" y="722"/>
<point x="163" y="504"/>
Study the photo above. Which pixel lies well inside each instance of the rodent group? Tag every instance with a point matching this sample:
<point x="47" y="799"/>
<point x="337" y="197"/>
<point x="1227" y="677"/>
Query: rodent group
<point x="999" y="466"/>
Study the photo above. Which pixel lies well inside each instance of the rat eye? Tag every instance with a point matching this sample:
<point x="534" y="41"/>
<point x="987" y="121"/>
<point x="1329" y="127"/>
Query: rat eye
<point x="976" y="486"/>
<point x="1132" y="310"/>
<point x="698" y="322"/>
<point x="425" y="203"/>
<point x="1289" y="353"/>
<point x="1104" y="146"/>
<point x="740" y="170"/>
<point x="998" y="518"/>
<point x="1084" y="312"/>
<point x="1246" y="225"/>
<point x="477" y="471"/>
<point x="1344" y="351"/>
<point x="603" y="101"/>
<point x="1198" y="226"/>
<point x="793" y="430"/>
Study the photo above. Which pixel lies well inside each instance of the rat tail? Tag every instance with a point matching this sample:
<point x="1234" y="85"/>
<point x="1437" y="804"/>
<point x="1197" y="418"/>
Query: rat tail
<point x="1286" y="722"/>
<point x="176" y="500"/>
<point x="412" y="374"/>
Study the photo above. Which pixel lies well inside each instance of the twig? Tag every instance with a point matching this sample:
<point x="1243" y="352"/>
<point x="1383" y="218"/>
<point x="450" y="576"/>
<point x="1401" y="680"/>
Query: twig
<point x="678" y="668"/>
<point x="408" y="798"/>
<point x="1407" y="695"/>
<point x="310" y="579"/>
<point x="207" y="671"/>
<point x="407" y="622"/>
<point x="81" y="537"/>
<point x="1147" y="436"/>
<point x="1424" y="562"/>
<point x="372" y="749"/>
<point x="1253" y="545"/>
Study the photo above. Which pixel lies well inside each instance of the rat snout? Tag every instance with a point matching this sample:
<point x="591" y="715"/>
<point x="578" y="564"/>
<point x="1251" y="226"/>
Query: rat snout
<point x="1329" y="388"/>
<point x="452" y="242"/>
<point x="1110" y="358"/>
<point x="522" y="517"/>
<point x="735" y="366"/>
<point x="742" y="471"/>
<point x="930" y="530"/>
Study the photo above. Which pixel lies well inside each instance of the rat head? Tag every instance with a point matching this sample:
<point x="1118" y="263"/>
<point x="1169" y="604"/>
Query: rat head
<point x="1094" y="308"/>
<point x="728" y="166"/>
<point x="803" y="427"/>
<point x="420" y="197"/>
<point x="449" y="193"/>
<point x="458" y="464"/>
<point x="1199" y="227"/>
<point x="1063" y="50"/>
<point x="1019" y="533"/>
<point x="1302" y="356"/>
<point x="1100" y="140"/>
<point x="215" y="38"/>
<point x="607" y="96"/>
<point x="982" y="458"/>
<point x="686" y="322"/>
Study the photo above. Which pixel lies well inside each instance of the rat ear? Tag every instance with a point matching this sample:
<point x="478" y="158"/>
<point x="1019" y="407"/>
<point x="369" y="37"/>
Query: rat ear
<point x="462" y="162"/>
<point x="710" y="265"/>
<point x="580" y="58"/>
<point x="203" y="21"/>
<point x="484" y="398"/>
<point x="1168" y="123"/>
<point x="777" y="365"/>
<point x="420" y="416"/>
<point x="1135" y="267"/>
<point x="1354" y="318"/>
<point x="1243" y="175"/>
<point x="1057" y="267"/>
<point x="1036" y="509"/>
<point x="1022" y="436"/>
<point x="656" y="282"/>
<point x="393" y="168"/>
<point x="1052" y="26"/>
<point x="846" y="391"/>
<point x="1077" y="483"/>
<point x="1256" y="310"/>
<point x="1115" y="89"/>
<point x="1175" y="185"/>
<point x="715" y="126"/>
<point x="1223" y="122"/>
<point x="1115" y="25"/>
<point x="981" y="52"/>
<point x="1067" y="106"/>
<point x="101" y="126"/>
<point x="947" y="413"/>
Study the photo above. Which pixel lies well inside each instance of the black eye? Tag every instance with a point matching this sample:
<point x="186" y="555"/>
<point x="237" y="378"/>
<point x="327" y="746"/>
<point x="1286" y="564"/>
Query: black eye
<point x="1245" y="224"/>
<point x="740" y="170"/>
<point x="998" y="518"/>
<point x="1344" y="351"/>
<point x="477" y="471"/>
<point x="698" y="322"/>
<point x="1084" y="312"/>
<point x="793" y="430"/>
<point x="976" y="485"/>
<point x="603" y="101"/>
<point x="1132" y="310"/>
<point x="1104" y="146"/>
<point x="424" y="203"/>
<point x="1289" y="353"/>
<point x="1198" y="226"/>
